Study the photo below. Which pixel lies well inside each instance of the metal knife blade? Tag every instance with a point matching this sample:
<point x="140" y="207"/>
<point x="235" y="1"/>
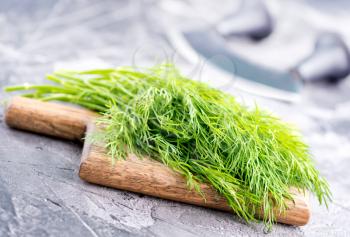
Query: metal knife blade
<point x="208" y="44"/>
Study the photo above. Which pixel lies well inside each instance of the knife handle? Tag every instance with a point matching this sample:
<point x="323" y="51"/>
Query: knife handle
<point x="329" y="61"/>
<point x="252" y="20"/>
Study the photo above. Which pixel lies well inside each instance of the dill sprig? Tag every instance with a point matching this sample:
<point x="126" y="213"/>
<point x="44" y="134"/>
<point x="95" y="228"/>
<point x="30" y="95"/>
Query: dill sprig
<point x="248" y="155"/>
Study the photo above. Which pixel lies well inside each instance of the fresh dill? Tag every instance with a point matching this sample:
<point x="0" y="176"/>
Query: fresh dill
<point x="249" y="156"/>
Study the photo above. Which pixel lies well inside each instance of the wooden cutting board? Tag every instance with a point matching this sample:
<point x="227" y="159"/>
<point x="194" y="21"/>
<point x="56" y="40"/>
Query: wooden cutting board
<point x="144" y="175"/>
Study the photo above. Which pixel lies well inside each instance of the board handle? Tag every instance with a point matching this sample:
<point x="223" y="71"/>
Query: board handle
<point x="48" y="118"/>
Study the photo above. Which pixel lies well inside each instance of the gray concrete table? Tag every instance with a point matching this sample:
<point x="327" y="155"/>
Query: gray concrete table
<point x="40" y="191"/>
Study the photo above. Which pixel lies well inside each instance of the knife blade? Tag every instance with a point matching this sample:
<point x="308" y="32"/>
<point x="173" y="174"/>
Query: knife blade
<point x="205" y="44"/>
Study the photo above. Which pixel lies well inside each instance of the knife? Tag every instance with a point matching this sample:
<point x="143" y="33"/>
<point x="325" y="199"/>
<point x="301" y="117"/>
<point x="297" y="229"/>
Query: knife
<point x="250" y="19"/>
<point x="330" y="61"/>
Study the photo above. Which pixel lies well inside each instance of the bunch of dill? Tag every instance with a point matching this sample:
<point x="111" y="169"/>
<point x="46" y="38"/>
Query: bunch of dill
<point x="249" y="156"/>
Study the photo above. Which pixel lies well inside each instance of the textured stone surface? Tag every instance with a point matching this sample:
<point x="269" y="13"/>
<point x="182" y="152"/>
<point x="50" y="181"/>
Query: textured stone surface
<point x="40" y="192"/>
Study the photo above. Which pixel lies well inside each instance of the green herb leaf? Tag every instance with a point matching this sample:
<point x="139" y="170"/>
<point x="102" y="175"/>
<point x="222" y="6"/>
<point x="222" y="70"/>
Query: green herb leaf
<point x="249" y="156"/>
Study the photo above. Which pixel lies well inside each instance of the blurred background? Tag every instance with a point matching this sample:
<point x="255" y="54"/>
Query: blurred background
<point x="37" y="37"/>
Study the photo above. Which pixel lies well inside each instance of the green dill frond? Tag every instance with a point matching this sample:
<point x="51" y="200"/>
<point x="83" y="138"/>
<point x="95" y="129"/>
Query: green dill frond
<point x="249" y="156"/>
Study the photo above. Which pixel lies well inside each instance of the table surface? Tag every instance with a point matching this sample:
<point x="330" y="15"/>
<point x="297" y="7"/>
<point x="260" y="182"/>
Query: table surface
<point x="40" y="191"/>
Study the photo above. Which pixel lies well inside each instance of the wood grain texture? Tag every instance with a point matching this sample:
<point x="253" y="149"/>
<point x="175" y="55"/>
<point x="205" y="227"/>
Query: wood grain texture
<point x="48" y="118"/>
<point x="152" y="178"/>
<point x="144" y="175"/>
